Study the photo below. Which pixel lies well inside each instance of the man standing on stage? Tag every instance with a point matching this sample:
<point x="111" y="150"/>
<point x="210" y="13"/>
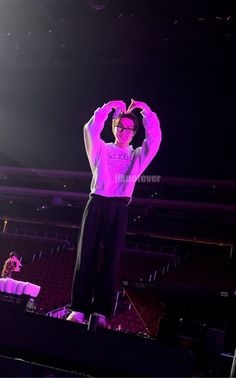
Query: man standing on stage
<point x="115" y="168"/>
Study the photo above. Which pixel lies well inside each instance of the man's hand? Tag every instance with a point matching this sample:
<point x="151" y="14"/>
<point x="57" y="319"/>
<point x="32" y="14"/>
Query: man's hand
<point x="117" y="104"/>
<point x="138" y="104"/>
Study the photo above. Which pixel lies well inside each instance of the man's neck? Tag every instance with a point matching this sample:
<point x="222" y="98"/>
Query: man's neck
<point x="121" y="145"/>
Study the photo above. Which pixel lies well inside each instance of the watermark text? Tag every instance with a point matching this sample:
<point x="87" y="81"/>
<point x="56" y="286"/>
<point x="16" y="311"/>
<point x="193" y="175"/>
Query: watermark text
<point x="134" y="178"/>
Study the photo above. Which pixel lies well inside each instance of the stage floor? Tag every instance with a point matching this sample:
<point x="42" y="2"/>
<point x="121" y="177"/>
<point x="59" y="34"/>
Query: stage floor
<point x="60" y="344"/>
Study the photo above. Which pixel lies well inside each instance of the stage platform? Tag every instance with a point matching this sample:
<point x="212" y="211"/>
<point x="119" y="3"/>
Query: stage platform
<point x="70" y="347"/>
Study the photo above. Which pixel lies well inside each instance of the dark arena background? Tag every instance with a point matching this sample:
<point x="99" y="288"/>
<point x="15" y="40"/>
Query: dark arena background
<point x="175" y="307"/>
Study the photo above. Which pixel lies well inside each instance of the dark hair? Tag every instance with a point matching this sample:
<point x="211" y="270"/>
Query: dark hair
<point x="12" y="254"/>
<point x="131" y="116"/>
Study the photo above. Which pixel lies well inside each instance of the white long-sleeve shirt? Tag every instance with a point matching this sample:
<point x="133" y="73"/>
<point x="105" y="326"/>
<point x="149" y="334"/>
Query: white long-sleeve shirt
<point x="116" y="169"/>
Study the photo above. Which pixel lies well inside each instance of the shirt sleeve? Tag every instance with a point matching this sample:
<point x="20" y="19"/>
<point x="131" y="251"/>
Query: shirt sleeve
<point x="152" y="141"/>
<point x="92" y="134"/>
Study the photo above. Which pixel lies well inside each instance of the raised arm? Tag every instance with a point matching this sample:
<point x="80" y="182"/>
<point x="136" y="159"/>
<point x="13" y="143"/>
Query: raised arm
<point x="94" y="127"/>
<point x="18" y="264"/>
<point x="153" y="136"/>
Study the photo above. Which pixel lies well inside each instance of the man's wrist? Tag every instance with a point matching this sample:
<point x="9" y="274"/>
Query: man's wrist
<point x="105" y="108"/>
<point x="146" y="111"/>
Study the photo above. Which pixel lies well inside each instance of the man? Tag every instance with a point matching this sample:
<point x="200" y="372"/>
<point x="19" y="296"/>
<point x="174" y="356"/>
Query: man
<point x="105" y="215"/>
<point x="12" y="264"/>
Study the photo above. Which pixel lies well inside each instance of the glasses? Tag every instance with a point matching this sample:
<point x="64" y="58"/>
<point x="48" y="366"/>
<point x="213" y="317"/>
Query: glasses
<point x="128" y="130"/>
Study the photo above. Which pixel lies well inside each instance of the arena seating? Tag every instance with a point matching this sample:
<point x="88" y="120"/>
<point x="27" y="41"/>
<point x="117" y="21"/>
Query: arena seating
<point x="54" y="273"/>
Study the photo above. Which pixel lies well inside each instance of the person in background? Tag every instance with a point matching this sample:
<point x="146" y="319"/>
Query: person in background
<point x="115" y="167"/>
<point x="12" y="264"/>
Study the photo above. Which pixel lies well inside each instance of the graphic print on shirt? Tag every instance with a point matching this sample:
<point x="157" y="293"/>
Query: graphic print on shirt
<point x="118" y="161"/>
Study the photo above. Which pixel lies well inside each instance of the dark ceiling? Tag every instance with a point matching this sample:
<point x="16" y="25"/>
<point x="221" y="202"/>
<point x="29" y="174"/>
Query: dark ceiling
<point x="61" y="59"/>
<point x="61" y="32"/>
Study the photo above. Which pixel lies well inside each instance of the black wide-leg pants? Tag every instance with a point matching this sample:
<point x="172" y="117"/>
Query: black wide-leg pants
<point x="104" y="220"/>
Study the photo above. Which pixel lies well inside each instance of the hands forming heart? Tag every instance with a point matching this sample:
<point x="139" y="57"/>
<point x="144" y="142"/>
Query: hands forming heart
<point x="120" y="106"/>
